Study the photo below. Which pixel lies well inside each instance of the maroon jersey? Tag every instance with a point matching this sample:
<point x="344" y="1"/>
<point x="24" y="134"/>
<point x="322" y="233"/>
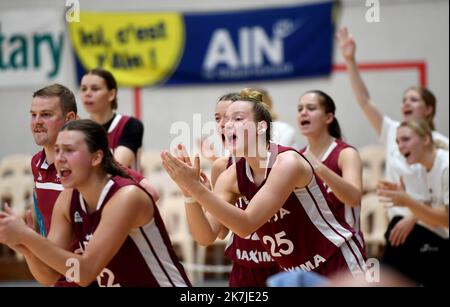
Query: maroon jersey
<point x="248" y="251"/>
<point x="350" y="215"/>
<point x="115" y="132"/>
<point x="47" y="187"/>
<point x="135" y="175"/>
<point x="305" y="234"/>
<point x="116" y="129"/>
<point x="252" y="263"/>
<point x="146" y="258"/>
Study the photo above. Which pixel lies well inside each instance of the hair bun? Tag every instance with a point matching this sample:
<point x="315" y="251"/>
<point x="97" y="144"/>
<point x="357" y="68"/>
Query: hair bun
<point x="249" y="93"/>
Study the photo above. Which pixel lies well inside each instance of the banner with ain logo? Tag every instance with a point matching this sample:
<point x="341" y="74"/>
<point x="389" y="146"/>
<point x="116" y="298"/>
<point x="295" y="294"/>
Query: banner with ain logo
<point x="147" y="49"/>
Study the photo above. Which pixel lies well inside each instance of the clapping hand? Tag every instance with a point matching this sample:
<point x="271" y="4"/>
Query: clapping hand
<point x="11" y="226"/>
<point x="181" y="170"/>
<point x="390" y="192"/>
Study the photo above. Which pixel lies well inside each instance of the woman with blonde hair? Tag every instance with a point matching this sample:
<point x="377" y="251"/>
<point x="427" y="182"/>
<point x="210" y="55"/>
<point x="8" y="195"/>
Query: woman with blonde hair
<point x="415" y="142"/>
<point x="286" y="204"/>
<point x="251" y="263"/>
<point x="282" y="132"/>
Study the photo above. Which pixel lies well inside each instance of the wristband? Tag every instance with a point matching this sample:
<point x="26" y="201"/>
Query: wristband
<point x="189" y="200"/>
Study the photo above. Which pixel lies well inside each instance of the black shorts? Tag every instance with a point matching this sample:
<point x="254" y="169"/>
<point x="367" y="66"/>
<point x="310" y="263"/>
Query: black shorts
<point x="423" y="257"/>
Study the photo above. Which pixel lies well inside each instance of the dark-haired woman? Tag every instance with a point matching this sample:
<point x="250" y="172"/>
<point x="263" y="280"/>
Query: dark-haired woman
<point x="336" y="163"/>
<point x="121" y="238"/>
<point x="125" y="133"/>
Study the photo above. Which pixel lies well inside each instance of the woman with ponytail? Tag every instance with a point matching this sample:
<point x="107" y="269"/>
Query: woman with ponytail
<point x="416" y="144"/>
<point x="336" y="163"/>
<point x="125" y="133"/>
<point x="114" y="222"/>
<point x="284" y="202"/>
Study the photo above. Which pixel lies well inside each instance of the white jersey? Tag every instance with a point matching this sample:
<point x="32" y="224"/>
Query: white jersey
<point x="414" y="176"/>
<point x="437" y="185"/>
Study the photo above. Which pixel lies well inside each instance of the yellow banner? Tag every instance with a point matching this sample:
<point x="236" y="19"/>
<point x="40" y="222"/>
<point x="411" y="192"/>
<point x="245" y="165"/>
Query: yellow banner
<point x="140" y="49"/>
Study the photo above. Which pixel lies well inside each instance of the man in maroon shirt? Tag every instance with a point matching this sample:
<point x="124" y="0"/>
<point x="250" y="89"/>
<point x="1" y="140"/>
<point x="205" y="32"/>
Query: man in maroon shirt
<point x="51" y="107"/>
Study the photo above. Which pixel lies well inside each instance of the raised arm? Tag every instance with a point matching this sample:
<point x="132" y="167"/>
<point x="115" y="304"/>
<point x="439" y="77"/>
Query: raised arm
<point x="348" y="49"/>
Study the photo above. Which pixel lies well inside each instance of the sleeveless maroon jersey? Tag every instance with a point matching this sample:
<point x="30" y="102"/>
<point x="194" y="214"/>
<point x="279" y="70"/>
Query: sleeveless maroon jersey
<point x="252" y="264"/>
<point x="350" y="215"/>
<point x="135" y="175"/>
<point x="115" y="130"/>
<point x="47" y="187"/>
<point x="248" y="251"/>
<point x="146" y="258"/>
<point x="305" y="234"/>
